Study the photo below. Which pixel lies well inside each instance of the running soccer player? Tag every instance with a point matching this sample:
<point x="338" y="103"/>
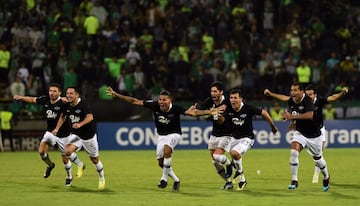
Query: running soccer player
<point x="53" y="106"/>
<point x="220" y="138"/>
<point x="319" y="103"/>
<point x="307" y="134"/>
<point x="83" y="131"/>
<point x="240" y="117"/>
<point x="167" y="122"/>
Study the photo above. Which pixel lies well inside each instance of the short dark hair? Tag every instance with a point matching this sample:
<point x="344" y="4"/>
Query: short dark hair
<point x="55" y="85"/>
<point x="218" y="85"/>
<point x="310" y="87"/>
<point x="301" y="87"/>
<point x="75" y="89"/>
<point x="236" y="91"/>
<point x="165" y="92"/>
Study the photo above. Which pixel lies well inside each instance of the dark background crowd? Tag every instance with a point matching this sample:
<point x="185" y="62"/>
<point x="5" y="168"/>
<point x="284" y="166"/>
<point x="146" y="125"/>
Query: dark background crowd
<point x="141" y="47"/>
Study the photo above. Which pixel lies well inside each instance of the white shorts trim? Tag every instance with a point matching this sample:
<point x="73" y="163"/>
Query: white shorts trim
<point x="313" y="145"/>
<point x="91" y="146"/>
<point x="242" y="145"/>
<point x="223" y="142"/>
<point x="171" y="140"/>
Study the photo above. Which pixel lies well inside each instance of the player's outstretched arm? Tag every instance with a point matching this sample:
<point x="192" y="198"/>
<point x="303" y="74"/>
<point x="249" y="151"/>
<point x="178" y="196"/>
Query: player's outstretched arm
<point x="268" y="118"/>
<point x="26" y="99"/>
<point x="337" y="96"/>
<point x="280" y="97"/>
<point x="128" y="99"/>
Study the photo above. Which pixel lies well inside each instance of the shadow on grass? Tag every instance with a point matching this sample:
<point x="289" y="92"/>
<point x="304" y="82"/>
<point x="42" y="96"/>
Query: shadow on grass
<point x="347" y="186"/>
<point x="84" y="190"/>
<point x="181" y="192"/>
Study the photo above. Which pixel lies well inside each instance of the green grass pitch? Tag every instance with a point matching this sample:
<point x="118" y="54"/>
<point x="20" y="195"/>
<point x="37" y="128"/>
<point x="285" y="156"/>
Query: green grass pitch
<point x="132" y="176"/>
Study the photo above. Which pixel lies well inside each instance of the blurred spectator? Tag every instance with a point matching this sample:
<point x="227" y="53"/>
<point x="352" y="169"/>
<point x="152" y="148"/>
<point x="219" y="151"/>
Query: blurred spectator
<point x="139" y="83"/>
<point x="115" y="65"/>
<point x="303" y="72"/>
<point x="276" y="112"/>
<point x="99" y="12"/>
<point x="24" y="73"/>
<point x="92" y="26"/>
<point x="233" y="78"/>
<point x="153" y="14"/>
<point x="5" y="56"/>
<point x="249" y="81"/>
<point x="216" y="71"/>
<point x="132" y="57"/>
<point x="331" y="62"/>
<point x="7" y="125"/>
<point x="86" y="5"/>
<point x="181" y="71"/>
<point x="17" y="87"/>
<point x="329" y="112"/>
<point x="70" y="78"/>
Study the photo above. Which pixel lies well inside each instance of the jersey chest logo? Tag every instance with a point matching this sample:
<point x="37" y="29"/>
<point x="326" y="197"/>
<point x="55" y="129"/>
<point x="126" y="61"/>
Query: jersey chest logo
<point x="237" y="121"/>
<point x="50" y="114"/>
<point x="163" y="120"/>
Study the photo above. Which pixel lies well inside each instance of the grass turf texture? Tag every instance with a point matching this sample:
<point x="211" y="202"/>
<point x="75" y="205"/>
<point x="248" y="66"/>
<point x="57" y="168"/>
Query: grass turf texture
<point x="132" y="177"/>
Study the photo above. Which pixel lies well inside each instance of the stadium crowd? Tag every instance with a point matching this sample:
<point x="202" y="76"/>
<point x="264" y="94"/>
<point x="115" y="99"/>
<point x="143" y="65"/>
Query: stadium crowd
<point x="139" y="47"/>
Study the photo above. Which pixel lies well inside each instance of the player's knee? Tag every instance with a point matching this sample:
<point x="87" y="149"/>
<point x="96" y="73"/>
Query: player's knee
<point x="218" y="157"/>
<point x="235" y="155"/>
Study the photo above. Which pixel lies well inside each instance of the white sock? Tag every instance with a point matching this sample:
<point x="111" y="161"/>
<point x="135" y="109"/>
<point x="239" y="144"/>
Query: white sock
<point x="173" y="175"/>
<point x="316" y="171"/>
<point x="68" y="170"/>
<point x="321" y="163"/>
<point x="75" y="159"/>
<point x="100" y="170"/>
<point x="166" y="168"/>
<point x="294" y="164"/>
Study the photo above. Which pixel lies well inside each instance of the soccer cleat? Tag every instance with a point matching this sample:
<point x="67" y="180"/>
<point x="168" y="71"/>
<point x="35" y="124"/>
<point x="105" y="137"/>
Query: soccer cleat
<point x="68" y="182"/>
<point x="294" y="184"/>
<point x="326" y="184"/>
<point x="80" y="171"/>
<point x="162" y="184"/>
<point x="101" y="185"/>
<point x="241" y="185"/>
<point x="176" y="186"/>
<point x="237" y="177"/>
<point x="228" y="186"/>
<point x="315" y="178"/>
<point x="228" y="171"/>
<point x="48" y="170"/>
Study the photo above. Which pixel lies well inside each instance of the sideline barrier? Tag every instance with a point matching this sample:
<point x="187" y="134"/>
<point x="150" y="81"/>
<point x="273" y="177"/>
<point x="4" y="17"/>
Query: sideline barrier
<point x="142" y="135"/>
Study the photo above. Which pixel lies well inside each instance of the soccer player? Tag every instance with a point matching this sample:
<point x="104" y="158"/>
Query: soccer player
<point x="83" y="130"/>
<point x="307" y="134"/>
<point x="220" y="138"/>
<point x="319" y="103"/>
<point x="167" y="122"/>
<point x="53" y="106"/>
<point x="240" y="117"/>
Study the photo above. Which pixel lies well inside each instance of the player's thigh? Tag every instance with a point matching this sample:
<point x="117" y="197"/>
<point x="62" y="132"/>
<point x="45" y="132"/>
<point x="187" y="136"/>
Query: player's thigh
<point x="91" y="146"/>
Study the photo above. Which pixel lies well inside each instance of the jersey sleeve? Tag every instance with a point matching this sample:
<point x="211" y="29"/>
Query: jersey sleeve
<point x="254" y="110"/>
<point x="41" y="100"/>
<point x="150" y="104"/>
